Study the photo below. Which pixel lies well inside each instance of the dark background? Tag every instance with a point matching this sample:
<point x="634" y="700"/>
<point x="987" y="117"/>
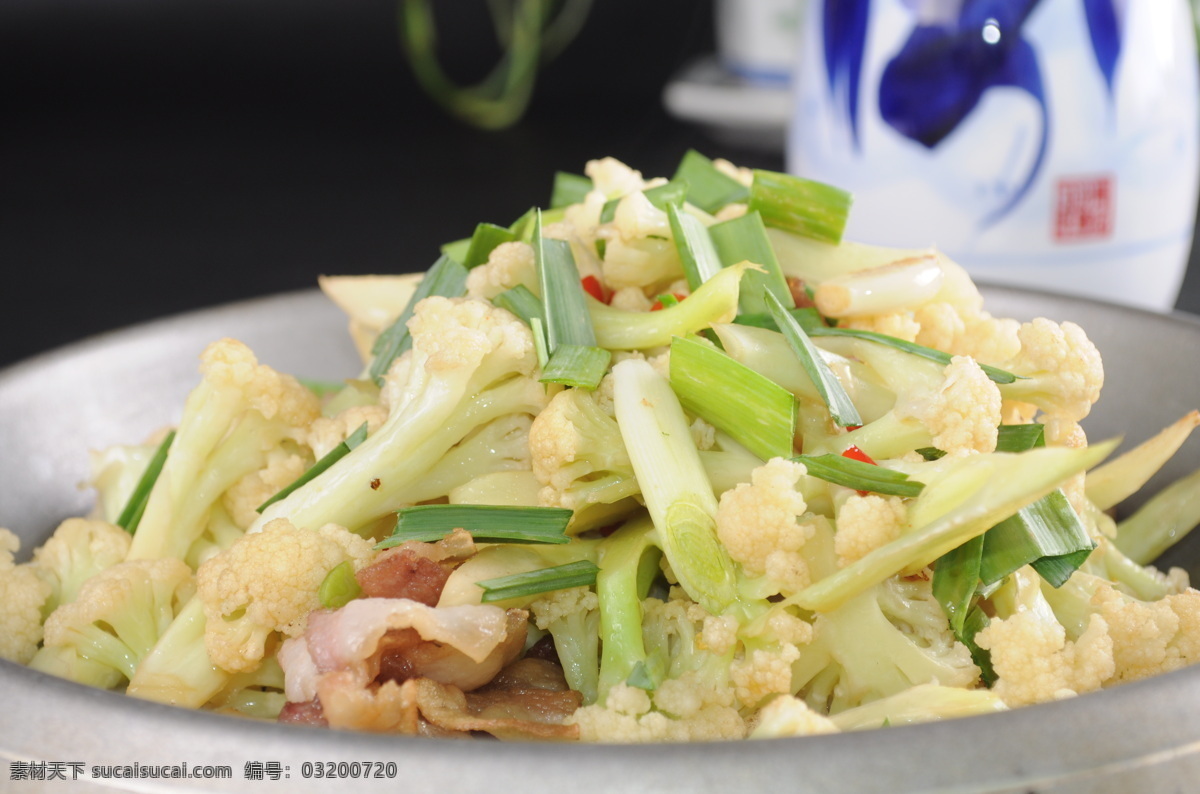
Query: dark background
<point x="163" y="156"/>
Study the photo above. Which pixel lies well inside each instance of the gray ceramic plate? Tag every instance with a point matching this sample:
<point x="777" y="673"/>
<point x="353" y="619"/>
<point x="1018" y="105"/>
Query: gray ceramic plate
<point x="119" y="387"/>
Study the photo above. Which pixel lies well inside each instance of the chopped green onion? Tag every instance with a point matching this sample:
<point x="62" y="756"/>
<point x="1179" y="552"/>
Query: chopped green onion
<point x="671" y="194"/>
<point x="521" y="302"/>
<point x="1019" y="438"/>
<point x="486" y="237"/>
<point x="566" y="313"/>
<point x="841" y="407"/>
<point x="745" y="239"/>
<point x="456" y="249"/>
<point x="447" y="278"/>
<point x="861" y="476"/>
<point x="330" y="458"/>
<point x="976" y="622"/>
<point x="695" y="247"/>
<point x="814" y="325"/>
<point x="931" y="453"/>
<point x="640" y="677"/>
<point x="956" y="581"/>
<point x="486" y="523"/>
<point x="1048" y="529"/>
<point x="522" y="227"/>
<point x="520" y="585"/>
<point x="666" y="300"/>
<point x="576" y="365"/>
<point x="800" y="206"/>
<point x="569" y="189"/>
<point x="131" y="516"/>
<point x="675" y="485"/>
<point x="708" y="188"/>
<point x="539" y="341"/>
<point x="322" y="388"/>
<point x="757" y="412"/>
<point x="339" y="587"/>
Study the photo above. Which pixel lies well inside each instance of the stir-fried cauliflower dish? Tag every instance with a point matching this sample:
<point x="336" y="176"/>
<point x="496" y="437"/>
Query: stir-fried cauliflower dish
<point x="665" y="460"/>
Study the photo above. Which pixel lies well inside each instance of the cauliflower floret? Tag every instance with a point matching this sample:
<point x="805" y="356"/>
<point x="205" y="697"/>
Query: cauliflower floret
<point x="967" y="332"/>
<point x="267" y="582"/>
<point x="645" y="262"/>
<point x="757" y="523"/>
<point x="78" y="550"/>
<point x="763" y="672"/>
<point x="239" y="412"/>
<point x="898" y="324"/>
<point x="121" y="612"/>
<point x="630" y="299"/>
<point x="580" y="459"/>
<point x="22" y="594"/>
<point x="864" y="523"/>
<point x="508" y="265"/>
<point x="636" y="217"/>
<point x="627" y="717"/>
<point x="612" y="178"/>
<point x="1150" y="638"/>
<point x="561" y="604"/>
<point x="1035" y="662"/>
<point x="242" y="500"/>
<point x="1060" y="367"/>
<point x="964" y="414"/>
<point x="789" y="716"/>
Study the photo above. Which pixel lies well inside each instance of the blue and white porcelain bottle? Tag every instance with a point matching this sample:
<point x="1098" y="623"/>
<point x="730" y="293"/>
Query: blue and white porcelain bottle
<point x="1044" y="143"/>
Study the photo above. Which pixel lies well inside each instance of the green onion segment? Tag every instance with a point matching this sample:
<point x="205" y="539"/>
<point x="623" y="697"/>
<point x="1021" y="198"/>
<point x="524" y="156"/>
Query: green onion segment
<point x="569" y="189"/>
<point x="568" y="322"/>
<point x="841" y="407"/>
<point x="800" y="206"/>
<point x="708" y="188"/>
<point x="330" y="458"/>
<point x="757" y="412"/>
<point x="339" y="587"/>
<point x="521" y="302"/>
<point x="131" y="515"/>
<point x="486" y="523"/>
<point x="580" y="573"/>
<point x="861" y="476"/>
<point x="486" y="237"/>
<point x="744" y="239"/>
<point x="695" y="247"/>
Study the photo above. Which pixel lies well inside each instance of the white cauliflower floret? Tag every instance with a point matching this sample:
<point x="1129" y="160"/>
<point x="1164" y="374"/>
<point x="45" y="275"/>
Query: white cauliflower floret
<point x="580" y="459"/>
<point x="636" y="217"/>
<point x="763" y="672"/>
<point x="120" y="613"/>
<point x="78" y="550"/>
<point x="22" y="594"/>
<point x="898" y="324"/>
<point x="267" y="582"/>
<point x="1035" y="662"/>
<point x="864" y="523"/>
<point x="242" y="500"/>
<point x="757" y="523"/>
<point x="645" y="262"/>
<point x="789" y="716"/>
<point x="508" y="265"/>
<point x="1060" y="367"/>
<point x="630" y="299"/>
<point x="239" y="412"/>
<point x="967" y="332"/>
<point x="964" y="414"/>
<point x="1149" y="638"/>
<point x="560" y="604"/>
<point x="613" y="178"/>
<point x="627" y="717"/>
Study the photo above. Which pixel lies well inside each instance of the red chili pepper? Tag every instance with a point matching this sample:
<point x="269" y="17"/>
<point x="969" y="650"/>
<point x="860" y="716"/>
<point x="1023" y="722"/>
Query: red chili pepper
<point x="593" y="287"/>
<point x="854" y="453"/>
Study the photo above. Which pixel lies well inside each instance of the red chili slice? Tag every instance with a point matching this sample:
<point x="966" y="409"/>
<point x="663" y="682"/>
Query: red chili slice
<point x="593" y="287"/>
